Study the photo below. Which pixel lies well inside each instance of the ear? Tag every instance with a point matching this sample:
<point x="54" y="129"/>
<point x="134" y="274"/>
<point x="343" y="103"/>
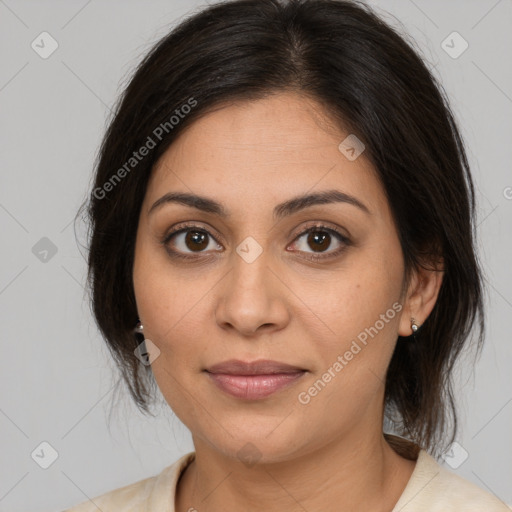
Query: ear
<point x="420" y="297"/>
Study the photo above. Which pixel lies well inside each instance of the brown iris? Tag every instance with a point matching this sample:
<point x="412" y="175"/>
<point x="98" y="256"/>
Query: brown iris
<point x="319" y="238"/>
<point x="198" y="240"/>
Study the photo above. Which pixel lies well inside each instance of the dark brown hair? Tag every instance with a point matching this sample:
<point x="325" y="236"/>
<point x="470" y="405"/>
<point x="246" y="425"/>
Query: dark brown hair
<point x="368" y="78"/>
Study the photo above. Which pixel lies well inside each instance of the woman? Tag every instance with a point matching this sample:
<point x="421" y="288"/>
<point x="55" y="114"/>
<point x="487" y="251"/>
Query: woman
<point x="282" y="238"/>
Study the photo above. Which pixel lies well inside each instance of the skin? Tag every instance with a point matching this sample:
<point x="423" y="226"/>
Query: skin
<point x="329" y="454"/>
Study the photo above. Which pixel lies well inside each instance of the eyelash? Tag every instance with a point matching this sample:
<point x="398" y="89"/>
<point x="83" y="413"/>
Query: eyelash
<point x="183" y="228"/>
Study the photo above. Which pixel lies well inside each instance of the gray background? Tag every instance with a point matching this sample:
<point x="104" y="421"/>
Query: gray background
<point x="56" y="374"/>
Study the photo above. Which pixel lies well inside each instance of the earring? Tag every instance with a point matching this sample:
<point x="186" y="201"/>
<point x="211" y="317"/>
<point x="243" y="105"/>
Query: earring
<point x="414" y="326"/>
<point x="139" y="328"/>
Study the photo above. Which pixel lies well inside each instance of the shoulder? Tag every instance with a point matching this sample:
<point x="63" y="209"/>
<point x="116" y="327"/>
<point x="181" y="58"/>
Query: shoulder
<point x="434" y="488"/>
<point x="150" y="493"/>
<point x="130" y="497"/>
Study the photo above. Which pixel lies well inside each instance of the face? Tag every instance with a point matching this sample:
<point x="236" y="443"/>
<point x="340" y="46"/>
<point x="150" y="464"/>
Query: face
<point x="313" y="285"/>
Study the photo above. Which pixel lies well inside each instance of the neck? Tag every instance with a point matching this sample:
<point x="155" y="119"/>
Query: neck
<point x="353" y="473"/>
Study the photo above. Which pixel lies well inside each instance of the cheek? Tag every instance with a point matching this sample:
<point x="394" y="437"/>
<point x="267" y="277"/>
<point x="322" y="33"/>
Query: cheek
<point x="174" y="307"/>
<point x="355" y="298"/>
<point x="172" y="321"/>
<point x="165" y="297"/>
<point x="351" y="377"/>
<point x="359" y="311"/>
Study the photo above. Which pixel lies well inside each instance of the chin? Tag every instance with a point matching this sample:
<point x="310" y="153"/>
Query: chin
<point x="269" y="440"/>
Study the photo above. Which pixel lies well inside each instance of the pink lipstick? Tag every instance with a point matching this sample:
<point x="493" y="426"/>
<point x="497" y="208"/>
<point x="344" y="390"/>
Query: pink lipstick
<point x="253" y="380"/>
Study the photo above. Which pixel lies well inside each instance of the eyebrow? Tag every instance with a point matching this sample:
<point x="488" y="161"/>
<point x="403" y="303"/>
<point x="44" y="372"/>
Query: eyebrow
<point x="281" y="210"/>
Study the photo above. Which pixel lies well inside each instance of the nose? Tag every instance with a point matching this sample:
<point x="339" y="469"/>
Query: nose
<point x="252" y="298"/>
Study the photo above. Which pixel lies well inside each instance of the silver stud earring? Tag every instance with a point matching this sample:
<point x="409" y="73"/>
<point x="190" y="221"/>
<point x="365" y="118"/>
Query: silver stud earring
<point x="139" y="328"/>
<point x="414" y="326"/>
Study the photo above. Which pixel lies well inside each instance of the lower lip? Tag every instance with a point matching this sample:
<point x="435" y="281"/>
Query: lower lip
<point x="254" y="387"/>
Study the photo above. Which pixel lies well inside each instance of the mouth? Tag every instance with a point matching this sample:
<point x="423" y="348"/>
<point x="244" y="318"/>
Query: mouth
<point x="253" y="380"/>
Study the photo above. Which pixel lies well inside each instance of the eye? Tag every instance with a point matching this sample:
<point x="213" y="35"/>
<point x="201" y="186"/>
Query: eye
<point x="320" y="238"/>
<point x="189" y="238"/>
<point x="185" y="240"/>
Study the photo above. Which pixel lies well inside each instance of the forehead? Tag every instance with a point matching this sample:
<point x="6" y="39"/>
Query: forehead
<point x="264" y="150"/>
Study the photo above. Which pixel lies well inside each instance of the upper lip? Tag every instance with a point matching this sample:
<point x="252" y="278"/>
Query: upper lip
<point x="261" y="367"/>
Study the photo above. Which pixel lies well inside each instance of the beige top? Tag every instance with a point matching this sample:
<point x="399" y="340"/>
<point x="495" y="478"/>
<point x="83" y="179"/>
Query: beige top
<point x="431" y="488"/>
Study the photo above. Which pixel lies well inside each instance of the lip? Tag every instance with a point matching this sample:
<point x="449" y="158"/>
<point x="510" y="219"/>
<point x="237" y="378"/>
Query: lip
<point x="253" y="380"/>
<point x="259" y="367"/>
